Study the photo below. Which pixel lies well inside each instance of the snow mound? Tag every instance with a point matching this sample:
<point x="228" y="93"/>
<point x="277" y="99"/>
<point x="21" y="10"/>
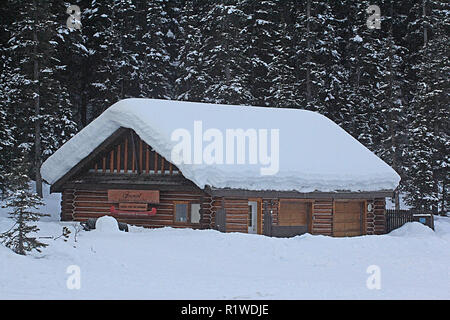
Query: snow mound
<point x="107" y="224"/>
<point x="412" y="229"/>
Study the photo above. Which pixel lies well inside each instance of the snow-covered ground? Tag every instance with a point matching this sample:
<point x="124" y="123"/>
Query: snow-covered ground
<point x="414" y="263"/>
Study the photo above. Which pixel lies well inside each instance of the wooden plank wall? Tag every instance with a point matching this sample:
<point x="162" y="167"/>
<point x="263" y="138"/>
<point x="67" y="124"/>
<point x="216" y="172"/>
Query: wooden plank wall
<point x="237" y="215"/>
<point x="80" y="205"/>
<point x="322" y="211"/>
<point x="322" y="219"/>
<point x="237" y="212"/>
<point x="122" y="157"/>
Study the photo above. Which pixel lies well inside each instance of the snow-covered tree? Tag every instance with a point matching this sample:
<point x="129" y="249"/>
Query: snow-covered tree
<point x="429" y="118"/>
<point x="284" y="76"/>
<point x="157" y="68"/>
<point x="224" y="64"/>
<point x="39" y="101"/>
<point x="188" y="84"/>
<point x="261" y="36"/>
<point x="387" y="87"/>
<point x="23" y="206"/>
<point x="391" y="111"/>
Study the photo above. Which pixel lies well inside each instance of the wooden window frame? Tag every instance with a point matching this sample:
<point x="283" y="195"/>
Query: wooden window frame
<point x="189" y="210"/>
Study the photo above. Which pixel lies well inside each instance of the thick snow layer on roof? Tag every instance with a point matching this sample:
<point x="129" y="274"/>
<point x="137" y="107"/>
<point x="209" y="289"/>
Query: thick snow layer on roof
<point x="315" y="154"/>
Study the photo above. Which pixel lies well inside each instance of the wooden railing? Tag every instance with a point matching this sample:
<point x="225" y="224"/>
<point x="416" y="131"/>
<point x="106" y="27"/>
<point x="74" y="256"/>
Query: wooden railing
<point x="132" y="155"/>
<point x="397" y="218"/>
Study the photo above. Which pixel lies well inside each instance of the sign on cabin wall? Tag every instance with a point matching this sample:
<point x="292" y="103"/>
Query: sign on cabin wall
<point x="133" y="196"/>
<point x="133" y="206"/>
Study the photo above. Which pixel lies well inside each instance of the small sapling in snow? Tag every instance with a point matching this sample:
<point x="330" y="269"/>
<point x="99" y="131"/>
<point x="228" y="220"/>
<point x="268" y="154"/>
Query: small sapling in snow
<point x="65" y="234"/>
<point x="23" y="205"/>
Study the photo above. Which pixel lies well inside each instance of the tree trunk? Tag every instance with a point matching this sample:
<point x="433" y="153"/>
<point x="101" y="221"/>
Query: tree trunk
<point x="392" y="114"/>
<point x="425" y="35"/>
<point x="444" y="198"/>
<point x="37" y="122"/>
<point x="308" y="54"/>
<point x="397" y="199"/>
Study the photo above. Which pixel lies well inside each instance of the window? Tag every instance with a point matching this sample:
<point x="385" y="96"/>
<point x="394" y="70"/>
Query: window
<point x="195" y="213"/>
<point x="187" y="212"/>
<point x="181" y="212"/>
<point x="293" y="213"/>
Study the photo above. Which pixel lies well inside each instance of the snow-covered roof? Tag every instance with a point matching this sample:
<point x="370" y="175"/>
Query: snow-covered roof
<point x="315" y="154"/>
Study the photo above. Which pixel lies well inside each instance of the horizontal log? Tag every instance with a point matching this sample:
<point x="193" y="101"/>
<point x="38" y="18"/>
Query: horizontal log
<point x="237" y="221"/>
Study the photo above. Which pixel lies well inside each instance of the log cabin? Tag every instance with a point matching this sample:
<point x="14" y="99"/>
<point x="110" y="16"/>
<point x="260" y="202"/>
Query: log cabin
<point x="159" y="163"/>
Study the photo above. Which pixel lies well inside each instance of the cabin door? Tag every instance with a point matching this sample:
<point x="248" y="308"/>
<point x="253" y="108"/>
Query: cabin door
<point x="252" y="217"/>
<point x="347" y="218"/>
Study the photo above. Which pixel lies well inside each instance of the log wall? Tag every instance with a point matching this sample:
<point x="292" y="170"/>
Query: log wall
<point x="236" y="213"/>
<point x="322" y="219"/>
<point x="80" y="205"/>
<point x="376" y="219"/>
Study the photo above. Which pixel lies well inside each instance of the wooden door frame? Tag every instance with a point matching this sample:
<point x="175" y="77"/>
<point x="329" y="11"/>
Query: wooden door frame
<point x="259" y="214"/>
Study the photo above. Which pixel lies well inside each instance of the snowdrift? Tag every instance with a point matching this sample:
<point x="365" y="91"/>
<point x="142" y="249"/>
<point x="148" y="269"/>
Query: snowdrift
<point x="151" y="264"/>
<point x="413" y="230"/>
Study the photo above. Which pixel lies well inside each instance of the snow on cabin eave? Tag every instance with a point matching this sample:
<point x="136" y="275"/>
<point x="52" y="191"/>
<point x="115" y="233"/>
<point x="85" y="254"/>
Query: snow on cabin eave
<point x="338" y="194"/>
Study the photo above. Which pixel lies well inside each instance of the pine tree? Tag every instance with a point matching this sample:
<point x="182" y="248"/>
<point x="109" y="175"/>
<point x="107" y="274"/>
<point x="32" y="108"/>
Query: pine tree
<point x="363" y="59"/>
<point x="283" y="70"/>
<point x="58" y="112"/>
<point x="40" y="106"/>
<point x="23" y="205"/>
<point x="6" y="122"/>
<point x="260" y="36"/>
<point x="225" y="67"/>
<point x="429" y="117"/>
<point x="328" y="73"/>
<point x="156" y="68"/>
<point x="188" y="84"/>
<point x="390" y="94"/>
<point x="382" y="86"/>
<point x="105" y="42"/>
<point x="73" y="53"/>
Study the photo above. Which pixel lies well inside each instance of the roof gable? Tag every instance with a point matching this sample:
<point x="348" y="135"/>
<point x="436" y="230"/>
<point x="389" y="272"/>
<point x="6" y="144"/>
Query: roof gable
<point x="123" y="153"/>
